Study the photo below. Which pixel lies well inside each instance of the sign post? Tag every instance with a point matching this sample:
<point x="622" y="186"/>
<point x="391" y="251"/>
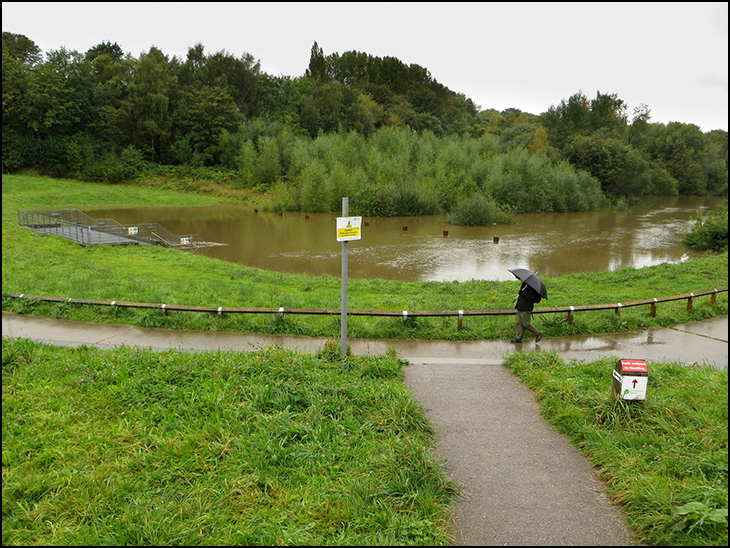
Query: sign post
<point x="630" y="379"/>
<point x="348" y="228"/>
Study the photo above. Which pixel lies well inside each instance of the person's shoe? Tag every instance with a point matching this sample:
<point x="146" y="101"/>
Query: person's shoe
<point x="516" y="340"/>
<point x="539" y="337"/>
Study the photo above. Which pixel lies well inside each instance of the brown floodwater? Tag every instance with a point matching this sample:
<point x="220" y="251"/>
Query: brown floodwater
<point x="428" y="248"/>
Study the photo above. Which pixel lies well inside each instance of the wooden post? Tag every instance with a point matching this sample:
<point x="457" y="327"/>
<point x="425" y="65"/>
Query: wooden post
<point x="714" y="297"/>
<point x="618" y="309"/>
<point x="653" y="309"/>
<point x="461" y="319"/>
<point x="570" y="316"/>
<point x="689" y="301"/>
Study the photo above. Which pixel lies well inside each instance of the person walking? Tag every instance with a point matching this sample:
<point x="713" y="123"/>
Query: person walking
<point x="526" y="299"/>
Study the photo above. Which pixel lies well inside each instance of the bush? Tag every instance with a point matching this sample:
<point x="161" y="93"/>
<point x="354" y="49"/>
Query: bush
<point x="478" y="210"/>
<point x="709" y="232"/>
<point x="115" y="169"/>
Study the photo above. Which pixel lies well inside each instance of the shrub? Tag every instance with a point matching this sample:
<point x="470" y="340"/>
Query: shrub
<point x="478" y="210"/>
<point x="709" y="232"/>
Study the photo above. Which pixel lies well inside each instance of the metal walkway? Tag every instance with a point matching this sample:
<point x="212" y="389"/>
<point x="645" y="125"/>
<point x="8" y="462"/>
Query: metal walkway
<point x="79" y="227"/>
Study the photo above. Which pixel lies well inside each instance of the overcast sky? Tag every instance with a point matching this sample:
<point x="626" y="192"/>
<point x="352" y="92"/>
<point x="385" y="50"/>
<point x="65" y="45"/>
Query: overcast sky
<point x="670" y="56"/>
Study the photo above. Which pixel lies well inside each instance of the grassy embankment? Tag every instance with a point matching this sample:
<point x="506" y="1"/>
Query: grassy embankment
<point x="55" y="267"/>
<point x="135" y="447"/>
<point x="273" y="447"/>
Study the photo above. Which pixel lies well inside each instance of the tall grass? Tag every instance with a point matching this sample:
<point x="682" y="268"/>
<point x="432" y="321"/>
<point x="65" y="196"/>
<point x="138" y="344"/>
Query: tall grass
<point x="665" y="459"/>
<point x="135" y="447"/>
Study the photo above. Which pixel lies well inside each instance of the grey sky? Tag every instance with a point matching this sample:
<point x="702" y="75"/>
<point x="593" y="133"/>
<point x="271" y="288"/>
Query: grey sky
<point x="670" y="56"/>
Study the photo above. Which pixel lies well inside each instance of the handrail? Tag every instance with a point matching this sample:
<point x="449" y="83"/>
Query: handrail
<point x="405" y="314"/>
<point x="79" y="229"/>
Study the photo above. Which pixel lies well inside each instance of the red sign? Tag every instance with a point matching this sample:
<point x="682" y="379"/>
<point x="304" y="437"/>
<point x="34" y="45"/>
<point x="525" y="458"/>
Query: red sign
<point x="634" y="366"/>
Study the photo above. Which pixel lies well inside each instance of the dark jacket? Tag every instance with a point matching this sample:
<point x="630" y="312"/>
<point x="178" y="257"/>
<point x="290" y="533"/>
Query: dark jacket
<point x="527" y="298"/>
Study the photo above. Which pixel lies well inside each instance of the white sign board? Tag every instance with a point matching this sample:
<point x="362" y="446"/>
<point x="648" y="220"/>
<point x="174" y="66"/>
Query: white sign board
<point x="348" y="228"/>
<point x="632" y="388"/>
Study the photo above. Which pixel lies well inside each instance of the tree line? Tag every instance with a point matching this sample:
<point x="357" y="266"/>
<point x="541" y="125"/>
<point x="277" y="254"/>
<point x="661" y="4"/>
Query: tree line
<point x="353" y="124"/>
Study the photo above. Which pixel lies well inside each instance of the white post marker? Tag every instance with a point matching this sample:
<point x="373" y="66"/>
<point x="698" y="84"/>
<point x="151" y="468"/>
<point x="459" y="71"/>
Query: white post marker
<point x="630" y="379"/>
<point x="348" y="228"/>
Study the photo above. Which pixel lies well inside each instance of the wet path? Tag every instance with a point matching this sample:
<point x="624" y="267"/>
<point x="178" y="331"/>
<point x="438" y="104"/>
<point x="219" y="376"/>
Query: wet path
<point x="696" y="342"/>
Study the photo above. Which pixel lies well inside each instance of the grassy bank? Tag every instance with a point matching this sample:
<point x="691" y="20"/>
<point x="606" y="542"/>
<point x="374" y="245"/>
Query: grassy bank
<point x="55" y="267"/>
<point x="664" y="459"/>
<point x="273" y="447"/>
<point x="270" y="448"/>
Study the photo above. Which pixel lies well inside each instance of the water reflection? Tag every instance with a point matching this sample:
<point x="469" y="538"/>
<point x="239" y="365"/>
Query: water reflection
<point x="429" y="249"/>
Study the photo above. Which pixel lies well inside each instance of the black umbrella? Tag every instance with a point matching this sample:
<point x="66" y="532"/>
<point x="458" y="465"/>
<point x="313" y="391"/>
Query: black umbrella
<point x="531" y="279"/>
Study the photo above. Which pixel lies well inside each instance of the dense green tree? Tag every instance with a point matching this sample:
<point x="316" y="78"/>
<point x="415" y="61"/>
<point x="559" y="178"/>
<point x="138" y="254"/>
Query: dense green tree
<point x="678" y="147"/>
<point x="368" y="115"/>
<point x="620" y="169"/>
<point x="715" y="162"/>
<point x="317" y="69"/>
<point x="54" y="104"/>
<point x="607" y="115"/>
<point x="150" y="89"/>
<point x="109" y="72"/>
<point x="375" y="128"/>
<point x="16" y="79"/>
<point x="351" y="68"/>
<point x="211" y="112"/>
<point x="268" y="169"/>
<point x="567" y="119"/>
<point x="540" y="141"/>
<point x="21" y="48"/>
<point x="520" y="135"/>
<point x="241" y="77"/>
<point x="15" y="84"/>
<point x="639" y="126"/>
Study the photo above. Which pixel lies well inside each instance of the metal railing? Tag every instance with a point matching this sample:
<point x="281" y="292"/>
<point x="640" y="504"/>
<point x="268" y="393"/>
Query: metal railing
<point x="79" y="227"/>
<point x="405" y="314"/>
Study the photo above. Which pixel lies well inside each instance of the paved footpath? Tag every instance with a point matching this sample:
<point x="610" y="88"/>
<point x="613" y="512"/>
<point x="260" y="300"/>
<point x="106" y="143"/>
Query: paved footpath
<point x="523" y="483"/>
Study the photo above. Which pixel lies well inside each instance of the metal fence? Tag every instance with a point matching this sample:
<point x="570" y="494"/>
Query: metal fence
<point x="79" y="227"/>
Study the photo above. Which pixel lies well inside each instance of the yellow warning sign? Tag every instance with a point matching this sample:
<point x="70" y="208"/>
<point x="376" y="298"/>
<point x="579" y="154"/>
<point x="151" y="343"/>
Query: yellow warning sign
<point x="348" y="228"/>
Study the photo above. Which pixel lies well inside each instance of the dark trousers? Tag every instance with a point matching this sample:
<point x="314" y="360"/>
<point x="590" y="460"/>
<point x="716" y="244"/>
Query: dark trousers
<point x="522" y="323"/>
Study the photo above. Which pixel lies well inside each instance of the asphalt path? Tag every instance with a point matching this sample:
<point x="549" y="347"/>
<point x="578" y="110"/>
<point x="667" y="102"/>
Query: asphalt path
<point x="523" y="483"/>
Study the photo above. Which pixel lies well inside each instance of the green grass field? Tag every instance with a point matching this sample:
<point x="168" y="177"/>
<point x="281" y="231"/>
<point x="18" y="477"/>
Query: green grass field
<point x="278" y="448"/>
<point x="52" y="266"/>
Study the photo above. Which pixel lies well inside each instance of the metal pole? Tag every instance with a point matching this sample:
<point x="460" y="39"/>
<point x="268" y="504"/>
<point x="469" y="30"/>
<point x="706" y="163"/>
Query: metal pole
<point x="343" y="309"/>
